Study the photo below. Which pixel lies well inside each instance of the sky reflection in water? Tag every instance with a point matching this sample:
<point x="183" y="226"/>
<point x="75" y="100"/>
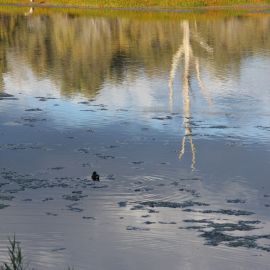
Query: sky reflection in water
<point x="215" y="79"/>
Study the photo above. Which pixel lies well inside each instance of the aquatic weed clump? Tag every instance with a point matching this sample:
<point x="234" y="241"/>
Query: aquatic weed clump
<point x="230" y="212"/>
<point x="2" y="206"/>
<point x="215" y="233"/>
<point x="239" y="241"/>
<point x="16" y="261"/>
<point x="173" y="204"/>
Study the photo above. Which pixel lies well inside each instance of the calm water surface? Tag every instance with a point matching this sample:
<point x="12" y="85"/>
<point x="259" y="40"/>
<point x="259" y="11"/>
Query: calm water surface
<point x="173" y="114"/>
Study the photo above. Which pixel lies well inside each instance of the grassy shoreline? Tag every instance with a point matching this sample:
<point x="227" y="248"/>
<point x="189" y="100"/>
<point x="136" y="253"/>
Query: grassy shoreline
<point x="147" y="13"/>
<point x="144" y="5"/>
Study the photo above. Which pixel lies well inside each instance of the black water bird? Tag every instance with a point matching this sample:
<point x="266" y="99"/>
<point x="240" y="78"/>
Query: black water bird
<point x="95" y="176"/>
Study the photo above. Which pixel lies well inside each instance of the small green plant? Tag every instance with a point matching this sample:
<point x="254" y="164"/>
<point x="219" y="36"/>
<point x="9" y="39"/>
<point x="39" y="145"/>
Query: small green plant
<point x="16" y="261"/>
<point x="15" y="256"/>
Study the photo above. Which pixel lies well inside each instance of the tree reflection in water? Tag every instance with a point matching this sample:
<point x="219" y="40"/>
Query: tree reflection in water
<point x="189" y="58"/>
<point x="81" y="55"/>
<point x="52" y="46"/>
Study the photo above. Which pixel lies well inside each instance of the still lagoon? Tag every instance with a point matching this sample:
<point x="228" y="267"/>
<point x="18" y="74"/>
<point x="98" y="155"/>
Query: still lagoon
<point x="174" y="115"/>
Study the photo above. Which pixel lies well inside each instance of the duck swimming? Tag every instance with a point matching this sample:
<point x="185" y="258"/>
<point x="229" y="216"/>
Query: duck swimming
<point x="95" y="176"/>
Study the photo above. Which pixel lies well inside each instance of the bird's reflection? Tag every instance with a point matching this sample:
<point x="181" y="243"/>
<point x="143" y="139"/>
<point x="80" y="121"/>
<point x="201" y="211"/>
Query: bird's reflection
<point x="189" y="60"/>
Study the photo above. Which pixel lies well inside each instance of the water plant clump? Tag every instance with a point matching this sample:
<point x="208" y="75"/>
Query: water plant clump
<point x="2" y="206"/>
<point x="133" y="228"/>
<point x="122" y="204"/>
<point x="236" y="201"/>
<point x="74" y="197"/>
<point x="215" y="237"/>
<point x="16" y="261"/>
<point x="172" y="204"/>
<point x="215" y="233"/>
<point x="229" y="212"/>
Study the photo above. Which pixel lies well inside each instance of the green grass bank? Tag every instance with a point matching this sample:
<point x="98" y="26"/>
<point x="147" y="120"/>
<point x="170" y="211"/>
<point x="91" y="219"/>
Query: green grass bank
<point x="148" y="4"/>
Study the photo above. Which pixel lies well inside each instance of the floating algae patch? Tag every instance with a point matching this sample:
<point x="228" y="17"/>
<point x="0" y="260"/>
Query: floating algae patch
<point x="138" y="207"/>
<point x="191" y="191"/>
<point x="58" y="249"/>
<point x="16" y="182"/>
<point x="167" y="223"/>
<point x="6" y="197"/>
<point x="34" y="110"/>
<point x="190" y="179"/>
<point x="74" y="197"/>
<point x="143" y="189"/>
<point x="2" y="206"/>
<point x="137" y="162"/>
<point x="84" y="150"/>
<point x="173" y="204"/>
<point x="88" y="217"/>
<point x="47" y="199"/>
<point x="240" y="226"/>
<point x="22" y="146"/>
<point x="23" y="181"/>
<point x="57" y="168"/>
<point x="27" y="120"/>
<point x="215" y="238"/>
<point x="236" y="201"/>
<point x="215" y="233"/>
<point x="73" y="207"/>
<point x="51" y="214"/>
<point x="152" y="211"/>
<point x="230" y="212"/>
<point x="168" y="117"/>
<point x="132" y="228"/>
<point x="122" y="204"/>
<point x="6" y="96"/>
<point x="99" y="155"/>
<point x="76" y="192"/>
<point x="45" y="98"/>
<point x="149" y="222"/>
<point x="100" y="187"/>
<point x="218" y="126"/>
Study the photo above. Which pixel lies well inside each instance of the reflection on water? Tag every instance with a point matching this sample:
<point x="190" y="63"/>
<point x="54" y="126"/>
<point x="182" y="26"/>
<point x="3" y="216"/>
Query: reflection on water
<point x="173" y="115"/>
<point x="29" y="12"/>
<point x="86" y="56"/>
<point x="91" y="46"/>
<point x="186" y="49"/>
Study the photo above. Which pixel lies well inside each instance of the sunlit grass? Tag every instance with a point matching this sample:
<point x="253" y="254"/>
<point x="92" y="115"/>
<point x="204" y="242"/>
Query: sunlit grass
<point x="147" y="15"/>
<point x="143" y="3"/>
<point x="109" y="8"/>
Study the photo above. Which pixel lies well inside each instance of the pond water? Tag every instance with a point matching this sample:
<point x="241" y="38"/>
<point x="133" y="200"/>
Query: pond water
<point x="174" y="115"/>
